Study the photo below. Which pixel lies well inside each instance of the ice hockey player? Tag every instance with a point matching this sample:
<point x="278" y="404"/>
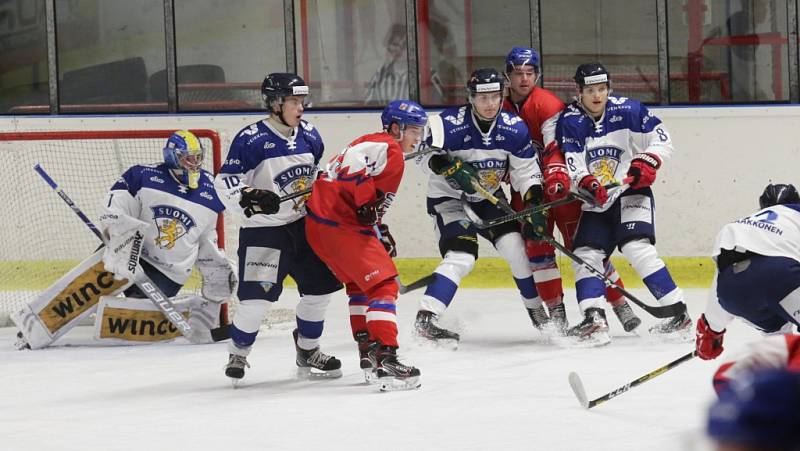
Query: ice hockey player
<point x="346" y="230"/>
<point x="540" y="108"/>
<point x="272" y="157"/>
<point x="159" y="219"/>
<point x="483" y="143"/>
<point x="773" y="351"/>
<point x="758" y="271"/>
<point x="605" y="139"/>
<point x="757" y="412"/>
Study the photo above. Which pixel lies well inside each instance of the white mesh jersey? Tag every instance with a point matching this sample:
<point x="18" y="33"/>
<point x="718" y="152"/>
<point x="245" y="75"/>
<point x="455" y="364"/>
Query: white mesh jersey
<point x="261" y="157"/>
<point x="773" y="231"/>
<point x="504" y="152"/>
<point x="182" y="221"/>
<point x="604" y="147"/>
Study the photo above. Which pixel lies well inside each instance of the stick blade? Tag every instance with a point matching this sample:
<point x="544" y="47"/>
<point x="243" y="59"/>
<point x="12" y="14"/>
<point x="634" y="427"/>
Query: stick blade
<point x="577" y="388"/>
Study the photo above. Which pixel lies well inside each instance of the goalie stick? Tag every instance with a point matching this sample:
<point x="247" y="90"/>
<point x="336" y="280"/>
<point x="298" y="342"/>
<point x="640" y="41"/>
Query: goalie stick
<point x="580" y="393"/>
<point x="665" y="311"/>
<point x="156" y="296"/>
<point x="406" y="157"/>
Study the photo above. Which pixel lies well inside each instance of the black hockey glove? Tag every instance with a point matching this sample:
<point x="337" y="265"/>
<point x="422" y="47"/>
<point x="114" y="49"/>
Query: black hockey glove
<point x="387" y="240"/>
<point x="369" y="213"/>
<point x="259" y="201"/>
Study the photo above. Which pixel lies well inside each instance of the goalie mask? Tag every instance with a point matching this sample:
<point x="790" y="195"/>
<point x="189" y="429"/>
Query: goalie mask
<point x="778" y="194"/>
<point x="184" y="155"/>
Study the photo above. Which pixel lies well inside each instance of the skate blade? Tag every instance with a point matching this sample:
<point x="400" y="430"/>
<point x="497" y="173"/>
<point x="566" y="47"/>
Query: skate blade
<point x="370" y="377"/>
<point x="594" y="340"/>
<point x="390" y="383"/>
<point x="235" y="383"/>
<point x="307" y="373"/>
<point x="440" y="343"/>
<point x="679" y="336"/>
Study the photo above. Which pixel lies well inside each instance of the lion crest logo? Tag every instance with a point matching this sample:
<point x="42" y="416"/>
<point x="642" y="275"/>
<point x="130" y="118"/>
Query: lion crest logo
<point x="172" y="224"/>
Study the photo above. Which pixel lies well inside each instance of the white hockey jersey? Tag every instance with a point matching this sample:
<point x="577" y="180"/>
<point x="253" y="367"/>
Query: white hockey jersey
<point x="183" y="221"/>
<point x="773" y="231"/>
<point x="261" y="157"/>
<point x="504" y="151"/>
<point x="604" y="148"/>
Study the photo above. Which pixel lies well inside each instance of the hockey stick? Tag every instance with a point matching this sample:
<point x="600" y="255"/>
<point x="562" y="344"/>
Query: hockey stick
<point x="666" y="311"/>
<point x="156" y="296"/>
<point x="415" y="285"/>
<point x="522" y="214"/>
<point x="406" y="157"/>
<point x="580" y="393"/>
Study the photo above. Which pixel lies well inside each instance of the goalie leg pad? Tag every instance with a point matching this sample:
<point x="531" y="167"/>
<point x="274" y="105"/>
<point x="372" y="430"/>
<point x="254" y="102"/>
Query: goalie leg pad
<point x="67" y="302"/>
<point x="127" y="321"/>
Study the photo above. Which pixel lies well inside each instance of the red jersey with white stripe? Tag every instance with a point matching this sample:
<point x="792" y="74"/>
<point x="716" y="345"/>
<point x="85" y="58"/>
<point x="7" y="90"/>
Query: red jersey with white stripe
<point x="540" y="112"/>
<point x="369" y="164"/>
<point x="773" y="352"/>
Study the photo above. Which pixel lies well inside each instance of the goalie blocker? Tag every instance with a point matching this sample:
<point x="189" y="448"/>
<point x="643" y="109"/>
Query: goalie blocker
<point x="89" y="288"/>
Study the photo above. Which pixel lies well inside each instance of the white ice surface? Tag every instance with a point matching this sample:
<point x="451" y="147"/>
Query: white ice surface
<point x="504" y="388"/>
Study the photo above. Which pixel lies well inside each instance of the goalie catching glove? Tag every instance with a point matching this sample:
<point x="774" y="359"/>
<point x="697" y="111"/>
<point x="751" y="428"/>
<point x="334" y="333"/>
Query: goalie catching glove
<point x="457" y="172"/>
<point x="124" y="246"/>
<point x="259" y="201"/>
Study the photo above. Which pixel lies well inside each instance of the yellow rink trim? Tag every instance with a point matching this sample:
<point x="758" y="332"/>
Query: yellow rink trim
<point x="688" y="272"/>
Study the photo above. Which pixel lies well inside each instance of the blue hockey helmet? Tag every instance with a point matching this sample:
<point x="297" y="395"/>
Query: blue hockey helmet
<point x="778" y="194"/>
<point x="404" y="113"/>
<point x="590" y="74"/>
<point x="759" y="410"/>
<point x="522" y="56"/>
<point x="184" y="155"/>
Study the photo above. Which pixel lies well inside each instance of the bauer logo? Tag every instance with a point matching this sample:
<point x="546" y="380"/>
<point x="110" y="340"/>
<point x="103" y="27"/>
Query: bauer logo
<point x="80" y="295"/>
<point x="602" y="162"/>
<point x="172" y="223"/>
<point x="137" y="325"/>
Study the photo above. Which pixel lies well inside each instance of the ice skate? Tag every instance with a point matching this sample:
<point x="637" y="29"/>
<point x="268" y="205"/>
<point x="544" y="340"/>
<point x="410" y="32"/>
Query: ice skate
<point x="558" y="318"/>
<point x="539" y="317"/>
<point x="626" y="317"/>
<point x="593" y="330"/>
<point x="366" y="356"/>
<point x="314" y="364"/>
<point x="677" y="328"/>
<point x="426" y="327"/>
<point x="235" y="368"/>
<point x="393" y="375"/>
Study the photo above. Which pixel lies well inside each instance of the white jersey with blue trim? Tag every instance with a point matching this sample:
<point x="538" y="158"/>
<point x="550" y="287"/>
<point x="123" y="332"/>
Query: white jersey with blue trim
<point x="505" y="150"/>
<point x="182" y="221"/>
<point x="772" y="231"/>
<point x="263" y="158"/>
<point x="605" y="147"/>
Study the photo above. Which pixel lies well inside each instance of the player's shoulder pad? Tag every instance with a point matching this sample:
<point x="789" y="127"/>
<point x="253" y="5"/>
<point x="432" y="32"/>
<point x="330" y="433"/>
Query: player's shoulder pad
<point x="310" y="133"/>
<point x="513" y="129"/>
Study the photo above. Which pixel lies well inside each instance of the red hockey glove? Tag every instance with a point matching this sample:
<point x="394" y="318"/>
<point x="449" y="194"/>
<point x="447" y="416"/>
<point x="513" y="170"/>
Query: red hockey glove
<point x="556" y="181"/>
<point x="387" y="240"/>
<point x="643" y="170"/>
<point x="369" y="213"/>
<point x="593" y="187"/>
<point x="708" y="343"/>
